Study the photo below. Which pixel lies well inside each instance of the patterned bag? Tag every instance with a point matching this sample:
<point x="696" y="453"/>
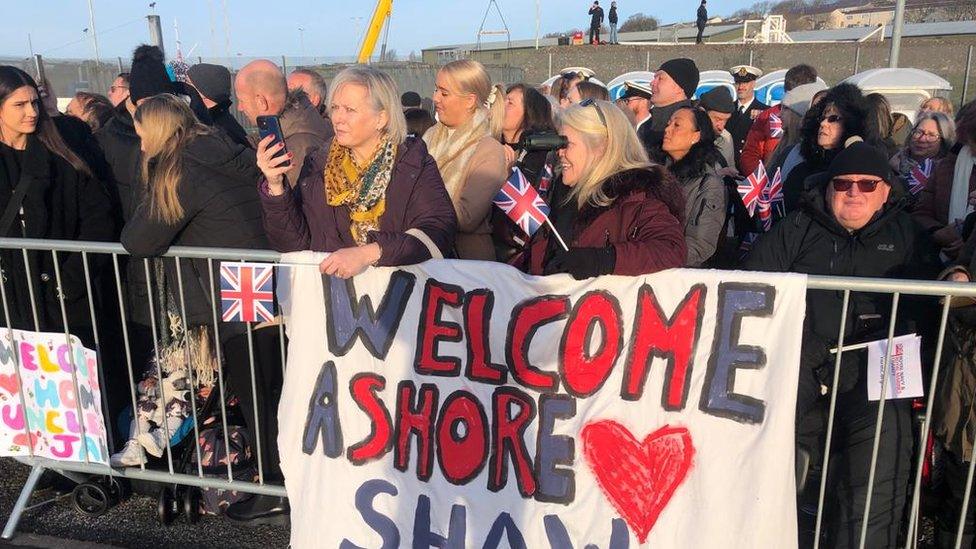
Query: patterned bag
<point x="213" y="454"/>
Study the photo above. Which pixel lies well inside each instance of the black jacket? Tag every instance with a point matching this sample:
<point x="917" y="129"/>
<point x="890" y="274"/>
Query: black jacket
<point x="218" y="193"/>
<point x="612" y="16"/>
<point x="740" y="123"/>
<point x="597" y="16"/>
<point x="120" y="146"/>
<point x="811" y="241"/>
<point x="651" y="133"/>
<point x="61" y="203"/>
<point x="225" y="121"/>
<point x="702" y="16"/>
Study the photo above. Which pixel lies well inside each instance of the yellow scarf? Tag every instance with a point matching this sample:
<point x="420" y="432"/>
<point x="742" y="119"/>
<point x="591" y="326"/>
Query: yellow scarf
<point x="361" y="188"/>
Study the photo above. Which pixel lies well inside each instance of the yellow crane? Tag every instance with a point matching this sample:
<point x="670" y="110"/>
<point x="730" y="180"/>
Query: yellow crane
<point x="380" y="16"/>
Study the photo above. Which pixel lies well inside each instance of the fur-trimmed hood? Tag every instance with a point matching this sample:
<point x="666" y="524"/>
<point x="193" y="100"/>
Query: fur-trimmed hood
<point x="636" y="184"/>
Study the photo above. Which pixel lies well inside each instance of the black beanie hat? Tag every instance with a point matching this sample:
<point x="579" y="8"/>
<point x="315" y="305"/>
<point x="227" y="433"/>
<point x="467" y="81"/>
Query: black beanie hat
<point x="683" y="71"/>
<point x="717" y="99"/>
<point x="860" y="158"/>
<point x="212" y="81"/>
<point x="148" y="74"/>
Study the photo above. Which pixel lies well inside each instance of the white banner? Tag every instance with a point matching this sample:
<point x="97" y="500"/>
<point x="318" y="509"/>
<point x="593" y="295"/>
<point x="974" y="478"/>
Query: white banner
<point x="465" y="404"/>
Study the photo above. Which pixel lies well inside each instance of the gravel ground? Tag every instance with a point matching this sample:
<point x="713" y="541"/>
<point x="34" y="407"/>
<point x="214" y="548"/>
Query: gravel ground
<point x="132" y="524"/>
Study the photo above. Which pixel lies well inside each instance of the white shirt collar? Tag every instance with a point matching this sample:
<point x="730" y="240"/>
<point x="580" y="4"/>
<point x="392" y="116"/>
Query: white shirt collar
<point x="743" y="108"/>
<point x="641" y="123"/>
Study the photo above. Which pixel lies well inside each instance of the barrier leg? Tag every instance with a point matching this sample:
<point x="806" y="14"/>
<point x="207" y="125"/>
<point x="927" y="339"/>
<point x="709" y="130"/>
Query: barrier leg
<point x="22" y="499"/>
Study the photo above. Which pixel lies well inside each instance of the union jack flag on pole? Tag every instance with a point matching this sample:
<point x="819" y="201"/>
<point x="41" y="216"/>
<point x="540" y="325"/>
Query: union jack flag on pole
<point x="919" y="177"/>
<point x="246" y="292"/>
<point x="522" y="203"/>
<point x="752" y="187"/>
<point x="770" y="200"/>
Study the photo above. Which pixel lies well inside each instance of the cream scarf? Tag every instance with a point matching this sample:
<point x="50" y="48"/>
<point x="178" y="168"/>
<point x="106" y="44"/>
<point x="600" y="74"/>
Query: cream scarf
<point x="452" y="149"/>
<point x="959" y="193"/>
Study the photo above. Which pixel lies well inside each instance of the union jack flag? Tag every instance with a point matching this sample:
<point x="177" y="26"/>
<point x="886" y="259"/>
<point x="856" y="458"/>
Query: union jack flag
<point x="246" y="292"/>
<point x="775" y="126"/>
<point x="919" y="177"/>
<point x="752" y="187"/>
<point x="522" y="203"/>
<point x="771" y="200"/>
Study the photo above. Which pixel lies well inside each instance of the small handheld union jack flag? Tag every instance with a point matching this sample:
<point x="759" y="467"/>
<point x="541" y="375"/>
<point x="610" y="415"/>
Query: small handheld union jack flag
<point x="246" y="292"/>
<point x="522" y="203"/>
<point x="919" y="177"/>
<point x="775" y="126"/>
<point x="752" y="187"/>
<point x="771" y="200"/>
<point x="545" y="181"/>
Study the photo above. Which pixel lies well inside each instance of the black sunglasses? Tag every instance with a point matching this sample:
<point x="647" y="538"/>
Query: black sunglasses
<point x="833" y="119"/>
<point x="864" y="185"/>
<point x="589" y="101"/>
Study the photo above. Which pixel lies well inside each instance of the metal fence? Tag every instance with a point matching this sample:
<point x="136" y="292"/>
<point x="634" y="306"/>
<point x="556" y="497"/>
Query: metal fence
<point x="110" y="259"/>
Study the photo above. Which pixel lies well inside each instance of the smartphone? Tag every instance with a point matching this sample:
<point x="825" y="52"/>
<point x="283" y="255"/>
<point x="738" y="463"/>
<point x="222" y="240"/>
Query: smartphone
<point x="271" y="125"/>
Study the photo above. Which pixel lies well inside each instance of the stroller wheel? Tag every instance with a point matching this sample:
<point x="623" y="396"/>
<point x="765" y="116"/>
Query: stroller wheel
<point x="191" y="505"/>
<point x="91" y="498"/>
<point x="166" y="506"/>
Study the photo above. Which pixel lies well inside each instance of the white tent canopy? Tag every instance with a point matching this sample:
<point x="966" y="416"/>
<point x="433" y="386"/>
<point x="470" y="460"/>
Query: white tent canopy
<point x="906" y="89"/>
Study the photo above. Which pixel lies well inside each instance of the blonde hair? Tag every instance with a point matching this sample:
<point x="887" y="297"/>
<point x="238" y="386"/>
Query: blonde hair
<point x="621" y="148"/>
<point x="470" y="77"/>
<point x="383" y="95"/>
<point x="166" y="124"/>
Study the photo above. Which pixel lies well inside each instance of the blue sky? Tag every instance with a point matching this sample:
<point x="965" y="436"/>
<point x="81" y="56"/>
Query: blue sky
<point x="270" y="27"/>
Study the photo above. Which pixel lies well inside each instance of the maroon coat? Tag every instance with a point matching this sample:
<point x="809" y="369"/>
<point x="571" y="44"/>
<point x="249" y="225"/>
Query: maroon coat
<point x="643" y="224"/>
<point x="301" y="219"/>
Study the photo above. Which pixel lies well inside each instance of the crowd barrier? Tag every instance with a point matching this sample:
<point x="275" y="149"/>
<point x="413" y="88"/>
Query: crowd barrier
<point x="115" y="255"/>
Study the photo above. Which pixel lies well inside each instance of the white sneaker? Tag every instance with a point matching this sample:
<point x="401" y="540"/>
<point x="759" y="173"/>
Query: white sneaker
<point x="130" y="456"/>
<point x="154" y="441"/>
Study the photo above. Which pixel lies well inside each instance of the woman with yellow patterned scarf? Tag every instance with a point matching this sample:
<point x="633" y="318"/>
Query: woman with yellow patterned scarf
<point x="371" y="196"/>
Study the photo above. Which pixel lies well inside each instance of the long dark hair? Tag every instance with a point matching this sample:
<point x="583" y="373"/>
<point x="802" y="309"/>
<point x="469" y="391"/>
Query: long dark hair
<point x="853" y="108"/>
<point x="702" y="154"/>
<point x="538" y="111"/>
<point x="12" y="79"/>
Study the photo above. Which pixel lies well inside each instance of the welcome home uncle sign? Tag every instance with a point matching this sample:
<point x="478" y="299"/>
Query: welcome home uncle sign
<point x="462" y="404"/>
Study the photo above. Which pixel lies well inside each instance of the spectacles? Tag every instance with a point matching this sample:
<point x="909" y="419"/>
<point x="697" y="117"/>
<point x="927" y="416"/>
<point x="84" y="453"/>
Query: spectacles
<point x="113" y="88"/>
<point x="587" y="102"/>
<point x="923" y="136"/>
<point x="832" y="119"/>
<point x="864" y="185"/>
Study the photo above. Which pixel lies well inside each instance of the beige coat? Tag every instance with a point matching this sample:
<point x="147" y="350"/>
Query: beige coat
<point x="484" y="175"/>
<point x="305" y="130"/>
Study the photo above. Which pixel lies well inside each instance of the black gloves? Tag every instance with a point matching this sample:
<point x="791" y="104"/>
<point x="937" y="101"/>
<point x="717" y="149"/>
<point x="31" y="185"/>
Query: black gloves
<point x="582" y="263"/>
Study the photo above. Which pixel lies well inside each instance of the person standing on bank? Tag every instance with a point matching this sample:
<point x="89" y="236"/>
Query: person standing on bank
<point x="701" y="21"/>
<point x="596" y="21"/>
<point x="673" y="86"/>
<point x="466" y="145"/>
<point x="618" y="213"/>
<point x="747" y="107"/>
<point x="612" y="20"/>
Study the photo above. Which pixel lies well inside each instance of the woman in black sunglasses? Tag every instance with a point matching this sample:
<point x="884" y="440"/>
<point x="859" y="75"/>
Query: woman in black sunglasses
<point x="853" y="224"/>
<point x="840" y="115"/>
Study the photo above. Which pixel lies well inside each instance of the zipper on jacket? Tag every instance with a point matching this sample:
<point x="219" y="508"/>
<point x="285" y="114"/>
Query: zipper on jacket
<point x="606" y="240"/>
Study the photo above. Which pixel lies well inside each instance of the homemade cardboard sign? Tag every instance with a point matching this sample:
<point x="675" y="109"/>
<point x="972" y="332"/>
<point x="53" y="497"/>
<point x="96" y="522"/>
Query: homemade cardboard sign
<point x="63" y="418"/>
<point x="465" y="404"/>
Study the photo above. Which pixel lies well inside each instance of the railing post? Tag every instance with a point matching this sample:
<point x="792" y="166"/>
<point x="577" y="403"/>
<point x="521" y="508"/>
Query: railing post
<point x="965" y="82"/>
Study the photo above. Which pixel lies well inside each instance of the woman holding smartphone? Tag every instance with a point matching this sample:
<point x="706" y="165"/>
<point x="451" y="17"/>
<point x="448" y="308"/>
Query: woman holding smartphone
<point x="370" y="196"/>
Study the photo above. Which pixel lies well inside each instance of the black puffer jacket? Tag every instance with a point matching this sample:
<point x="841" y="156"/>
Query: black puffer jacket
<point x="218" y="193"/>
<point x="811" y="241"/>
<point x="121" y="147"/>
<point x="61" y="203"/>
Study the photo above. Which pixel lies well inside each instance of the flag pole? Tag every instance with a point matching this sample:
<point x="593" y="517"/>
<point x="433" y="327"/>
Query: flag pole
<point x="555" y="232"/>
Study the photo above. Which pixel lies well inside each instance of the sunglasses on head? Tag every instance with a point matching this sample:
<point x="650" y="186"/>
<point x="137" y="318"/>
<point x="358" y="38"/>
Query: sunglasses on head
<point x="833" y="119"/>
<point x="843" y="185"/>
<point x="587" y="102"/>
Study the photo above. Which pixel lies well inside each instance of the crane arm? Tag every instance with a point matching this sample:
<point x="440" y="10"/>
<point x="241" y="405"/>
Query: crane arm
<point x="380" y="15"/>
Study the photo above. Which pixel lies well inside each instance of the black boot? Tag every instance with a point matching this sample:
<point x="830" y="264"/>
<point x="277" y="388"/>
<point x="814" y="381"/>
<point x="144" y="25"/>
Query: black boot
<point x="261" y="510"/>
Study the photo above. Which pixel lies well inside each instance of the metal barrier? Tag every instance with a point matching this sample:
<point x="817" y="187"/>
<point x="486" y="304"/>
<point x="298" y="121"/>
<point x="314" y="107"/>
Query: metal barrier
<point x="847" y="286"/>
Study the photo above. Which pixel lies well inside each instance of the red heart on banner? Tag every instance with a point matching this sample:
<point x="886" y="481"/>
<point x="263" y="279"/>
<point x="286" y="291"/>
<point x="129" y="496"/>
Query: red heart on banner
<point x="9" y="383"/>
<point x="21" y="439"/>
<point x="638" y="478"/>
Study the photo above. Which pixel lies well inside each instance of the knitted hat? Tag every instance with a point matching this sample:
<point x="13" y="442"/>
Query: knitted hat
<point x="860" y="158"/>
<point x="148" y="74"/>
<point x="684" y="72"/>
<point x="212" y="81"/>
<point x="798" y="99"/>
<point x="717" y="99"/>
